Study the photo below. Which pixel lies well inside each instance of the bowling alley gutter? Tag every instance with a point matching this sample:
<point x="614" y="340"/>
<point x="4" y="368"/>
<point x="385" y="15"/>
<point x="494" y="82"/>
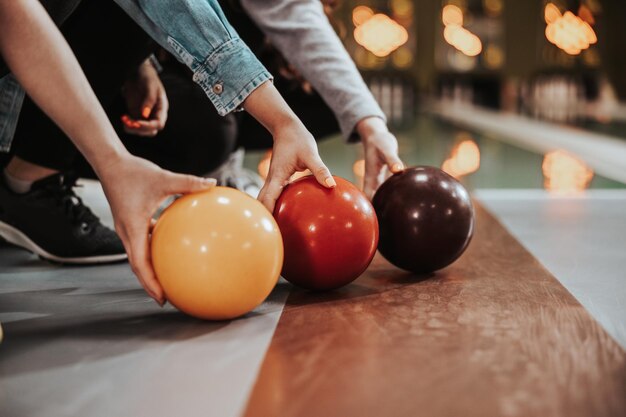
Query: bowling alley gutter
<point x="605" y="154"/>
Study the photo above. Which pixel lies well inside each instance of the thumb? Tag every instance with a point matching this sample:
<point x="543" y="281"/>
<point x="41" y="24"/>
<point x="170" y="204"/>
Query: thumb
<point x="393" y="162"/>
<point x="184" y="184"/>
<point x="148" y="103"/>
<point x="321" y="172"/>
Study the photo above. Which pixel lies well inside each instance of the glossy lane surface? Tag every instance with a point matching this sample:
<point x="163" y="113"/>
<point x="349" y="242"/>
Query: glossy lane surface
<point x="495" y="334"/>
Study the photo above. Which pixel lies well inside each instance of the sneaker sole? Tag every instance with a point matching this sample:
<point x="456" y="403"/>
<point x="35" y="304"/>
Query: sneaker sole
<point x="17" y="238"/>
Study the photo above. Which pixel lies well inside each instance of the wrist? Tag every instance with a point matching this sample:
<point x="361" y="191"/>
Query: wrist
<point x="368" y="126"/>
<point x="267" y="106"/>
<point x="107" y="162"/>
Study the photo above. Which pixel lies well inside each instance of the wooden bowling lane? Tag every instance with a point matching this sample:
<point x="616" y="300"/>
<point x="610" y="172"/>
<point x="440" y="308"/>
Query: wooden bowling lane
<point x="494" y="334"/>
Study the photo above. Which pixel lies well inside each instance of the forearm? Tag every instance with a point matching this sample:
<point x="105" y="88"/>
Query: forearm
<point x="301" y="31"/>
<point x="269" y="108"/>
<point x="43" y="63"/>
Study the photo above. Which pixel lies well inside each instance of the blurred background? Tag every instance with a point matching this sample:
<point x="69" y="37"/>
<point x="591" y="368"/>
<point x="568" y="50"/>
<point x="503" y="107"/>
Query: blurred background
<point x="499" y="93"/>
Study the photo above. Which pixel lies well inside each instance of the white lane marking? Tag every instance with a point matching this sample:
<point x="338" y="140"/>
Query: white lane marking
<point x="605" y="154"/>
<point x="581" y="241"/>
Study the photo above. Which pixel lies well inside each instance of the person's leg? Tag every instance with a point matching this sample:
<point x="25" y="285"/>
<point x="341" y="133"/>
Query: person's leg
<point x="108" y="45"/>
<point x="195" y="139"/>
<point x="38" y="208"/>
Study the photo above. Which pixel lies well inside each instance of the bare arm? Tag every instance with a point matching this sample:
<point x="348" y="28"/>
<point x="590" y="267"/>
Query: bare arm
<point x="43" y="63"/>
<point x="303" y="34"/>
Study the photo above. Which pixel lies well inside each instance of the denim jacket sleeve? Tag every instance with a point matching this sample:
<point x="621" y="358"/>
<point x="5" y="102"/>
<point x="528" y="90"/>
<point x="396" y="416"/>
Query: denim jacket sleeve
<point x="198" y="34"/>
<point x="11" y="98"/>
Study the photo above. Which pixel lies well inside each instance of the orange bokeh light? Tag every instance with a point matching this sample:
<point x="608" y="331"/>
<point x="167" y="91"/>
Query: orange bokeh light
<point x="361" y="14"/>
<point x="463" y="40"/>
<point x="452" y="15"/>
<point x="564" y="173"/>
<point x="464" y="159"/>
<point x="264" y="165"/>
<point x="381" y="35"/>
<point x="568" y="31"/>
<point x="456" y="35"/>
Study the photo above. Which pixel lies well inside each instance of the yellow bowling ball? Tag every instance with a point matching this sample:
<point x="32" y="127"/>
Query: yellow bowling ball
<point x="217" y="253"/>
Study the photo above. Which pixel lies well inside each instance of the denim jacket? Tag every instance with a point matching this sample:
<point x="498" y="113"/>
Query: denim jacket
<point x="197" y="33"/>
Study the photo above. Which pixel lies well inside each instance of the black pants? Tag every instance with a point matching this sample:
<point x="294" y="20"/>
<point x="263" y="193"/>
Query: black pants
<point x="196" y="140"/>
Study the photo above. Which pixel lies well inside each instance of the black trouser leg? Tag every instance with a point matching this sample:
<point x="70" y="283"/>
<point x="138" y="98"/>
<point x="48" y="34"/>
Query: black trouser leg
<point x="108" y="45"/>
<point x="196" y="139"/>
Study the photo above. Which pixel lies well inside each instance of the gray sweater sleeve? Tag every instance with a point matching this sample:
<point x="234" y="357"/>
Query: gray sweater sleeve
<point x="300" y="30"/>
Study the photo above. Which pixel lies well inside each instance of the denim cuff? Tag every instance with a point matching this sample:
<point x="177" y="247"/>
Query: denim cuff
<point x="228" y="75"/>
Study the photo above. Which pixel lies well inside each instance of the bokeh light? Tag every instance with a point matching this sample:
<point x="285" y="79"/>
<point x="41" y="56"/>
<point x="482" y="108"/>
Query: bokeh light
<point x="564" y="173"/>
<point x="456" y="35"/>
<point x="568" y="31"/>
<point x="264" y="164"/>
<point x="402" y="58"/>
<point x="361" y="14"/>
<point x="381" y="35"/>
<point x="452" y="15"/>
<point x="494" y="56"/>
<point x="464" y="158"/>
<point x="493" y="7"/>
<point x="402" y="8"/>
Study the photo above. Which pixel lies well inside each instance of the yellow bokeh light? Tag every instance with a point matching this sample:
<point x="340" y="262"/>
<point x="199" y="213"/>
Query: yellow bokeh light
<point x="361" y="14"/>
<point x="452" y="15"/>
<point x="381" y="35"/>
<point x="591" y="58"/>
<point x="493" y="7"/>
<point x="402" y="8"/>
<point x="464" y="159"/>
<point x="402" y="58"/>
<point x="494" y="56"/>
<point x="564" y="173"/>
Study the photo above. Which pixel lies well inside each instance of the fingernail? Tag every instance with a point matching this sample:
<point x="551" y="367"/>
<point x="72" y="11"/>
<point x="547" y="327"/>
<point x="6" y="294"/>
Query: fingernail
<point x="136" y="125"/>
<point x="146" y="112"/>
<point x="330" y="182"/>
<point x="209" y="181"/>
<point x="397" y="167"/>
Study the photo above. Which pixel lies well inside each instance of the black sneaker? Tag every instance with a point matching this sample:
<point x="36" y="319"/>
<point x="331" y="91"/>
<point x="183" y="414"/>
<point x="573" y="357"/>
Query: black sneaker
<point x="52" y="222"/>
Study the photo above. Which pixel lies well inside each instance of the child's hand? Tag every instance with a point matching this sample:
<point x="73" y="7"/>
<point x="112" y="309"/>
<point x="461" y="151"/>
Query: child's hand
<point x="381" y="151"/>
<point x="294" y="150"/>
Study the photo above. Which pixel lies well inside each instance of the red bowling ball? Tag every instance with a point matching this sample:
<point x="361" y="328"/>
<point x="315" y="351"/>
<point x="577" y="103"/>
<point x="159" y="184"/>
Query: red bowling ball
<point x="330" y="235"/>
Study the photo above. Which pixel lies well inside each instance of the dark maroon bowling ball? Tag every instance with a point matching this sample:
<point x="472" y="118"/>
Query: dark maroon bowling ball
<point x="425" y="217"/>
